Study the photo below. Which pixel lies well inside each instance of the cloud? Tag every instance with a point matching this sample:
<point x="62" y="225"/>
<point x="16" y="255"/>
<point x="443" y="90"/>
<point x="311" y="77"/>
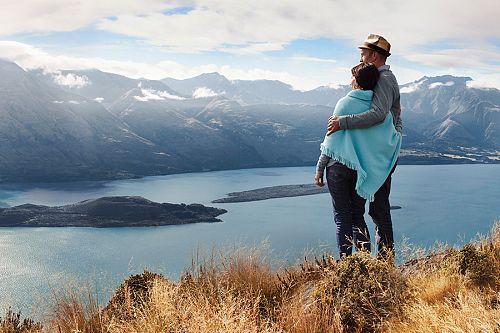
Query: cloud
<point x="148" y="95"/>
<point x="260" y="25"/>
<point x="314" y="59"/>
<point x="485" y="82"/>
<point x="30" y="16"/>
<point x="29" y="57"/>
<point x="444" y="33"/>
<point x="204" y="92"/>
<point x="170" y="96"/>
<point x="71" y="80"/>
<point x="70" y="102"/>
<point x="412" y="87"/>
<point x="155" y="95"/>
<point x="485" y="58"/>
<point x="441" y="84"/>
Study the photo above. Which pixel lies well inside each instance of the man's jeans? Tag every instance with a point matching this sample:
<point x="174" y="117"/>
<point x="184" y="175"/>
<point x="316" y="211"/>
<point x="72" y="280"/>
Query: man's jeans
<point x="380" y="212"/>
<point x="348" y="209"/>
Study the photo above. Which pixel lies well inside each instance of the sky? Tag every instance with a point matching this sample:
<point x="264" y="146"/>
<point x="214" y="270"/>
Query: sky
<point x="306" y="44"/>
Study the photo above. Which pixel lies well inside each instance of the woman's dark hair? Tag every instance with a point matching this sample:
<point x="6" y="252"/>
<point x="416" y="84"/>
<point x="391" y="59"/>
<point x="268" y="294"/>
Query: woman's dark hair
<point x="366" y="75"/>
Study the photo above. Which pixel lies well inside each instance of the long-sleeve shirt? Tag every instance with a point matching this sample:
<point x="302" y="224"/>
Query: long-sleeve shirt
<point x="323" y="162"/>
<point x="386" y="97"/>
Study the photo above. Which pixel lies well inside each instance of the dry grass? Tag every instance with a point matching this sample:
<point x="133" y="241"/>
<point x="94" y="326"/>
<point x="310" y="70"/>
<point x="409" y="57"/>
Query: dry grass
<point x="461" y="293"/>
<point x="75" y="311"/>
<point x="12" y="323"/>
<point x="240" y="291"/>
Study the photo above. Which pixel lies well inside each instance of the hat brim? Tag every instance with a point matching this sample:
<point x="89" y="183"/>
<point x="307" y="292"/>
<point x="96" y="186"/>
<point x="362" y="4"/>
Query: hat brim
<point x="374" y="48"/>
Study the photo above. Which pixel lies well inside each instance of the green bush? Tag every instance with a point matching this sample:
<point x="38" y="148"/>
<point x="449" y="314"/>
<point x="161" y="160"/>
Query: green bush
<point x="362" y="291"/>
<point x="478" y="266"/>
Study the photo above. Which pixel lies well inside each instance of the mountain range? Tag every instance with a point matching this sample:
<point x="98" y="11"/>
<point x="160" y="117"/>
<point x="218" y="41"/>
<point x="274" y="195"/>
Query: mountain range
<point x="88" y="124"/>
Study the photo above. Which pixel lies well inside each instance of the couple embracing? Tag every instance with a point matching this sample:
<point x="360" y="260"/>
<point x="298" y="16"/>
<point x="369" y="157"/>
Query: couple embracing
<point x="360" y="151"/>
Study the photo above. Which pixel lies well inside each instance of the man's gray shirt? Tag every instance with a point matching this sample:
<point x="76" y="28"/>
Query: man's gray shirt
<point x="385" y="98"/>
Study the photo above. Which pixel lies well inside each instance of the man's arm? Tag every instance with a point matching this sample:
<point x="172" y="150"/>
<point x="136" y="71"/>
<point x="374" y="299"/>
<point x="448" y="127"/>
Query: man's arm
<point x="381" y="106"/>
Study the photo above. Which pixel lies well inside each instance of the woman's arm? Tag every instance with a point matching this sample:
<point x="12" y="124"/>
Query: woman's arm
<point x="320" y="169"/>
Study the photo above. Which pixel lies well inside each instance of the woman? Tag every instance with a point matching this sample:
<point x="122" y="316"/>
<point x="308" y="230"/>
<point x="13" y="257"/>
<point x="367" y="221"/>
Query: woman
<point x="357" y="161"/>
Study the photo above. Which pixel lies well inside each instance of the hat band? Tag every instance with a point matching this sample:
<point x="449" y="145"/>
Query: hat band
<point x="377" y="48"/>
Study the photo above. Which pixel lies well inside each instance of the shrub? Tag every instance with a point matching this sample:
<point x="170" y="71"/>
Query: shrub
<point x="134" y="293"/>
<point x="361" y="292"/>
<point x="477" y="266"/>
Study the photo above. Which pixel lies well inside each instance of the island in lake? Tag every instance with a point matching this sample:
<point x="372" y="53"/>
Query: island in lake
<point x="280" y="191"/>
<point x="107" y="212"/>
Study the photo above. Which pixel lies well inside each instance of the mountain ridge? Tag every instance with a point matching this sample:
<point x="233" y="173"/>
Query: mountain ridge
<point x="56" y="129"/>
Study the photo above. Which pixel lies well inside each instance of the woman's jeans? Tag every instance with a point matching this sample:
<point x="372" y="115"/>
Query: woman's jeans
<point x="348" y="209"/>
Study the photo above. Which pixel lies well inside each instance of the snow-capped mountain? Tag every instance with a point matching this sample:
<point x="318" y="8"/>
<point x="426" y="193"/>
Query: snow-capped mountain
<point x="247" y="92"/>
<point x="75" y="125"/>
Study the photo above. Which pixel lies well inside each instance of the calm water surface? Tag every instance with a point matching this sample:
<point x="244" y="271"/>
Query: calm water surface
<point x="445" y="203"/>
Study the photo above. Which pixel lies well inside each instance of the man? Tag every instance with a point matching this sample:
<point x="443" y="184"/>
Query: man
<point x="375" y="50"/>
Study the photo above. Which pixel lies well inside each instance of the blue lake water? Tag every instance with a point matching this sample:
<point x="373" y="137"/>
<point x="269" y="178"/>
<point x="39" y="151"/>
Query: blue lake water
<point x="441" y="203"/>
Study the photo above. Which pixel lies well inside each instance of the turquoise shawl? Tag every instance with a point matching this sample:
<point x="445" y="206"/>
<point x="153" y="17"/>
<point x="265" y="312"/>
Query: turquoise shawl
<point x="371" y="151"/>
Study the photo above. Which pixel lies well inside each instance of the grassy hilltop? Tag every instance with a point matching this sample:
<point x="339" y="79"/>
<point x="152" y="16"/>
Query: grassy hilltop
<point x="453" y="290"/>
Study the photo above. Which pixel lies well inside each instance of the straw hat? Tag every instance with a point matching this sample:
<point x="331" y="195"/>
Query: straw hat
<point x="377" y="43"/>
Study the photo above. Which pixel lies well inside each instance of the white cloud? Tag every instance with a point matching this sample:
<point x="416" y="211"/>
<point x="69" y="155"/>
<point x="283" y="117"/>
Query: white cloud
<point x="297" y="82"/>
<point x="70" y="102"/>
<point x="440" y="84"/>
<point x="485" y="82"/>
<point x="29" y="57"/>
<point x="412" y="87"/>
<point x="71" y="80"/>
<point x="334" y="86"/>
<point x="148" y="95"/>
<point x="170" y="96"/>
<point x="416" y="29"/>
<point x="204" y="92"/>
<point x="483" y="58"/>
<point x="260" y="25"/>
<point x="314" y="59"/>
<point x="67" y="15"/>
<point x="155" y="95"/>
<point x="99" y="99"/>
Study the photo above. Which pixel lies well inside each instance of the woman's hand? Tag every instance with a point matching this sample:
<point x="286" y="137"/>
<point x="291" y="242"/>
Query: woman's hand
<point x="318" y="179"/>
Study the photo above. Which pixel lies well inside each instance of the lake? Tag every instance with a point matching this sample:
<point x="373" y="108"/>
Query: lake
<point x="440" y="203"/>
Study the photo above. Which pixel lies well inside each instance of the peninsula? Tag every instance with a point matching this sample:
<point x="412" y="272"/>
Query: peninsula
<point x="273" y="192"/>
<point x="280" y="191"/>
<point x="107" y="212"/>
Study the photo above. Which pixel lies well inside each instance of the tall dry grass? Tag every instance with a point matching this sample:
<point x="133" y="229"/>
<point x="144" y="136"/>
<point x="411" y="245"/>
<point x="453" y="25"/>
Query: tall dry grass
<point x="455" y="290"/>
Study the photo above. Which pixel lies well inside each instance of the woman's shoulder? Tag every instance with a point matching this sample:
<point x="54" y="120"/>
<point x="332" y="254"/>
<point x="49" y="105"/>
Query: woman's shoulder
<point x="365" y="95"/>
<point x="356" y="101"/>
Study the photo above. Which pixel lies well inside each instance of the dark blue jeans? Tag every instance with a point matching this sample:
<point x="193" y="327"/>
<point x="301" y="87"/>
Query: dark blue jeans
<point x="348" y="209"/>
<point x="380" y="212"/>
